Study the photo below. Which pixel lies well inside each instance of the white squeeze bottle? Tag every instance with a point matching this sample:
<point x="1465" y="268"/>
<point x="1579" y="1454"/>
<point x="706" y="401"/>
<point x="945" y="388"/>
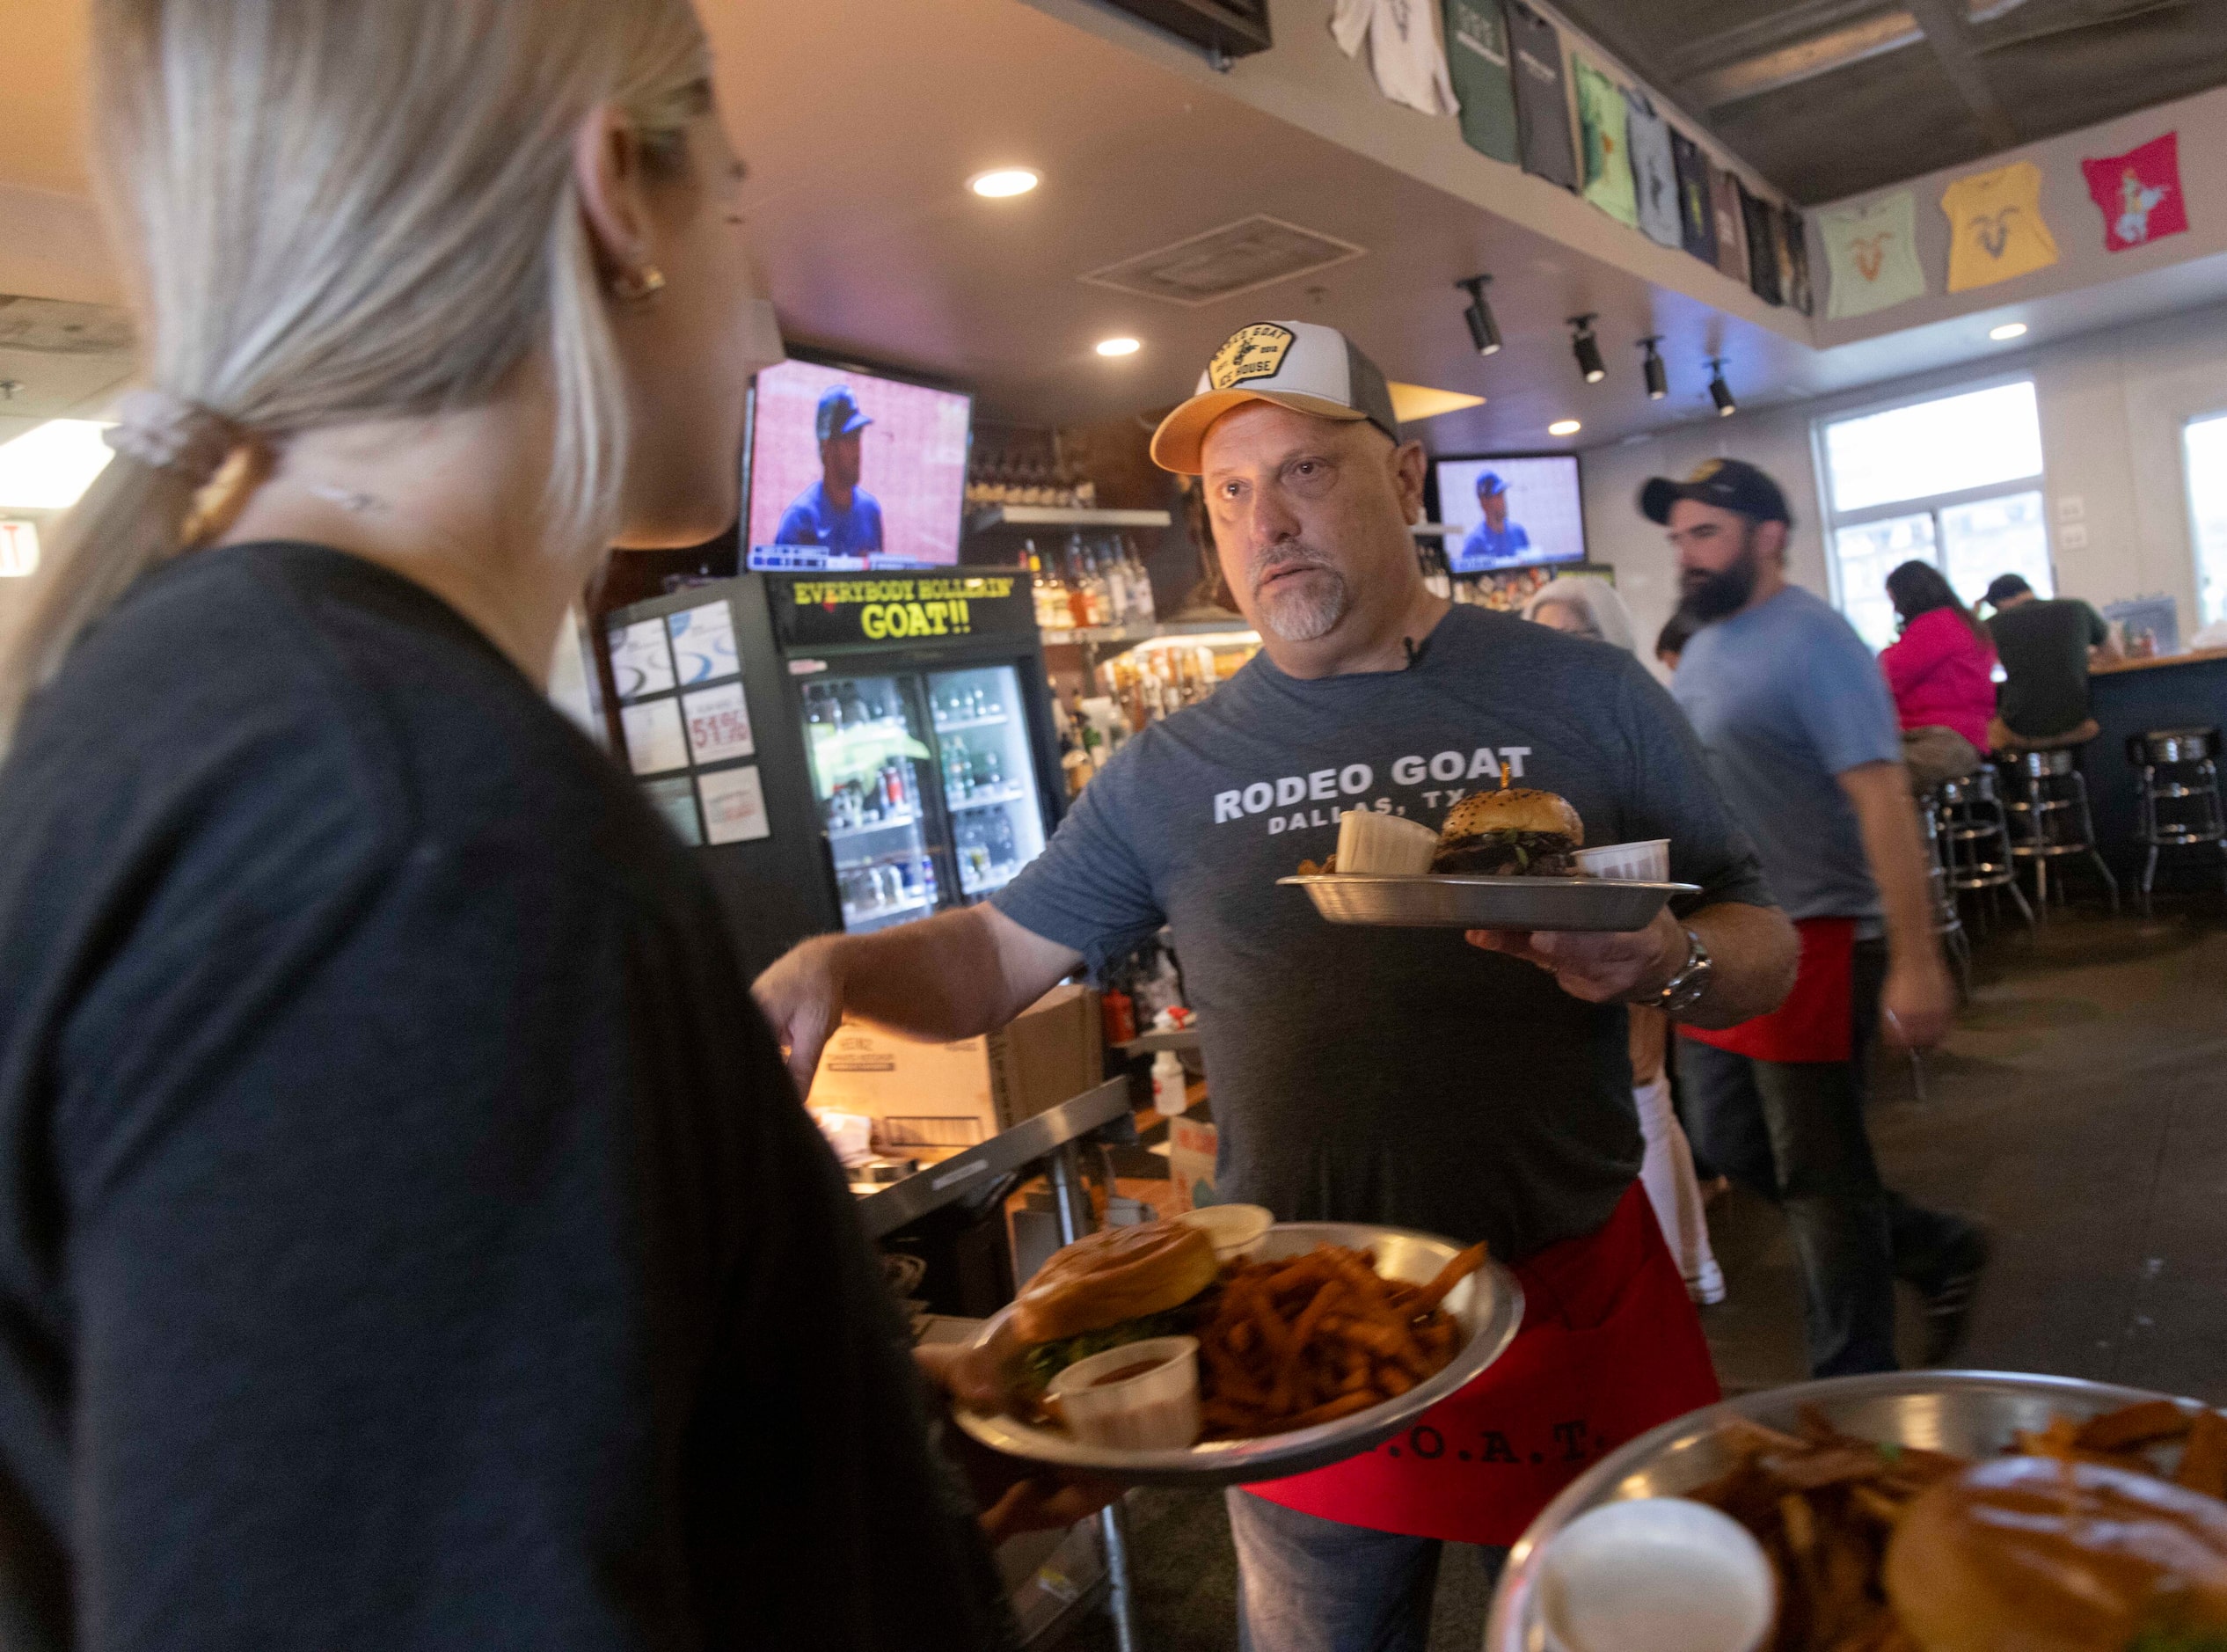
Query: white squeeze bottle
<point x="1168" y="1097"/>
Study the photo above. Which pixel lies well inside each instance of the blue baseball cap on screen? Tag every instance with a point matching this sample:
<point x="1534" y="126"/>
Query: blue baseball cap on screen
<point x="838" y="414"/>
<point x="1491" y="483"/>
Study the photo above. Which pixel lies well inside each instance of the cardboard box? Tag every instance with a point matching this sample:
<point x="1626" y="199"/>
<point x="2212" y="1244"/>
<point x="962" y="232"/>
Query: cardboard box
<point x="1191" y="1152"/>
<point x="932" y="1096"/>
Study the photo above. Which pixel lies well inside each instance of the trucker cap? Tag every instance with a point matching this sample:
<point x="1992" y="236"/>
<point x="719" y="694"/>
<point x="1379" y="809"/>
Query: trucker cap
<point x="838" y="414"/>
<point x="2002" y="587"/>
<point x="1301" y="365"/>
<point x="1727" y="484"/>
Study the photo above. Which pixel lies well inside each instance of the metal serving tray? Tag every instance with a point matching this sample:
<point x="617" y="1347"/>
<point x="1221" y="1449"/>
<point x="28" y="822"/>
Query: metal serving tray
<point x="1972" y="1413"/>
<point x="1488" y="1306"/>
<point x="1469" y="902"/>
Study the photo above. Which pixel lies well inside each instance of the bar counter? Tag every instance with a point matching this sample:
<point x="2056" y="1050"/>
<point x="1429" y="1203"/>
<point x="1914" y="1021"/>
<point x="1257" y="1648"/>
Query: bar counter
<point x="2132" y="696"/>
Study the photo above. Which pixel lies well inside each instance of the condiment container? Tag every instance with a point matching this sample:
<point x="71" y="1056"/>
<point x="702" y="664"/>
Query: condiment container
<point x="1142" y="1396"/>
<point x="1662" y="1573"/>
<point x="1171" y="1090"/>
<point x="1646" y="862"/>
<point x="1235" y="1230"/>
<point x="1386" y="844"/>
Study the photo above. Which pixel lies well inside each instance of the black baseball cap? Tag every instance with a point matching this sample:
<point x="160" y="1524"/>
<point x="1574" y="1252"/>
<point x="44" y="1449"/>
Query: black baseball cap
<point x="1727" y="484"/>
<point x="2005" y="587"/>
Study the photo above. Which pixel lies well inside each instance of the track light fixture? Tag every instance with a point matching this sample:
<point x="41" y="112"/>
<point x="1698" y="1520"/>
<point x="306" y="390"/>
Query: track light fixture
<point x="1484" y="331"/>
<point x="1721" y="392"/>
<point x="1658" y="376"/>
<point x="1587" y="349"/>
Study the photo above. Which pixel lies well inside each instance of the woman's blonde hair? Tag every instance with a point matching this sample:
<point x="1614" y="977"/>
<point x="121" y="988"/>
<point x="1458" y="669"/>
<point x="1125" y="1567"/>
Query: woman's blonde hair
<point x="332" y="210"/>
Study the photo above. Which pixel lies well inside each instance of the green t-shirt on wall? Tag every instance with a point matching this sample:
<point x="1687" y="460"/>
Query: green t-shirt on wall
<point x="1607" y="154"/>
<point x="1477" y="57"/>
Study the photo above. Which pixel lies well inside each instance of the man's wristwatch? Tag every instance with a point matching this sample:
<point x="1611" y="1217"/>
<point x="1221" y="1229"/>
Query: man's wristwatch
<point x="1691" y="984"/>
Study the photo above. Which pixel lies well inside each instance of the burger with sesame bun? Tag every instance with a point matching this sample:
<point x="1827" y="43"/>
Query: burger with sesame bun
<point x="1514" y="832"/>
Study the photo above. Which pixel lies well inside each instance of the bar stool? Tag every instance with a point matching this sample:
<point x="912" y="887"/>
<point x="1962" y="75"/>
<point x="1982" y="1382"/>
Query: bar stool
<point x="2178" y="773"/>
<point x="2048" y="815"/>
<point x="1975" y="839"/>
<point x="1948" y="921"/>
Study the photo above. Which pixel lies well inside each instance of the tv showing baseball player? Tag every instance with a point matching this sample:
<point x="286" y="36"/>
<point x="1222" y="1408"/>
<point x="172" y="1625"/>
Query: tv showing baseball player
<point x="850" y="468"/>
<point x="1513" y="511"/>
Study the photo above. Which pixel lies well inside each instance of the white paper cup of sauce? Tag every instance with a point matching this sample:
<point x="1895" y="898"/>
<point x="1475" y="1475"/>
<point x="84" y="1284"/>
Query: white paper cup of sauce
<point x="1142" y="1396"/>
<point x="1235" y="1230"/>
<point x="1646" y="862"/>
<point x="1662" y="1573"/>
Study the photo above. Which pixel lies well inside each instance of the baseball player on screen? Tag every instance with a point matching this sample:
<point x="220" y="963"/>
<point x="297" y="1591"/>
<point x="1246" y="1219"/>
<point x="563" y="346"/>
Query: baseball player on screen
<point x="835" y="511"/>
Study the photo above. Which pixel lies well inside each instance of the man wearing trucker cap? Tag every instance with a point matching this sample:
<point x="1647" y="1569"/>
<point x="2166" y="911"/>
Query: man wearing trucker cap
<point x="1474" y="1089"/>
<point x="1802" y="736"/>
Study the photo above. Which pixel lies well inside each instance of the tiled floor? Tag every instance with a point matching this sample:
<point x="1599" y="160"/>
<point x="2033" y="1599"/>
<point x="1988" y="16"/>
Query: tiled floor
<point x="2079" y="1110"/>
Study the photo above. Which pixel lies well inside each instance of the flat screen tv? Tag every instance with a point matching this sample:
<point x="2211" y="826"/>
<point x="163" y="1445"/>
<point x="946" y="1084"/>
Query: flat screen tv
<point x="850" y="468"/>
<point x="1515" y="511"/>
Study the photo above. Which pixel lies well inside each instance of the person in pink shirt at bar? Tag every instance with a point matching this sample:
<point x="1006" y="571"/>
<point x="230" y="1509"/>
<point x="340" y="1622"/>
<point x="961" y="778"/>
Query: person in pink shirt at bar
<point x="1941" y="673"/>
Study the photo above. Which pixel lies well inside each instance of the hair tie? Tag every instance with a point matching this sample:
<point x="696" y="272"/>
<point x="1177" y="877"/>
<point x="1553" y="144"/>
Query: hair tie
<point x="168" y="433"/>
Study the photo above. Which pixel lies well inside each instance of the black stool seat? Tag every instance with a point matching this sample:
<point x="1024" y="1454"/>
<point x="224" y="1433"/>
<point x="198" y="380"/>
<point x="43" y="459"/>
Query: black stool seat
<point x="2172" y="745"/>
<point x="2178" y="768"/>
<point x="2047" y="806"/>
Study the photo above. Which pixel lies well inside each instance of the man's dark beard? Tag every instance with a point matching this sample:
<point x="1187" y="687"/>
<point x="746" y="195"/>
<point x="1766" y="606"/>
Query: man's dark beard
<point x="1710" y="596"/>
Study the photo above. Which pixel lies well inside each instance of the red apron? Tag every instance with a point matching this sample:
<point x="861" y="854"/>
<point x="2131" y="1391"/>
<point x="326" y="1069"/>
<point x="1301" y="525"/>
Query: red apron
<point x="1817" y="1021"/>
<point x="1610" y="1347"/>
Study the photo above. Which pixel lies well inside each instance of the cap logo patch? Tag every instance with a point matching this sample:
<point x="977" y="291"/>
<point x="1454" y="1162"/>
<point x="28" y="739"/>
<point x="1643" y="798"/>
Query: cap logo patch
<point x="1703" y="470"/>
<point x="1253" y="352"/>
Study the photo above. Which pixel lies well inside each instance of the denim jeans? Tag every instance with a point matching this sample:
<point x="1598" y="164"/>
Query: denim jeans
<point x="1794" y="1132"/>
<point x="1306" y="1584"/>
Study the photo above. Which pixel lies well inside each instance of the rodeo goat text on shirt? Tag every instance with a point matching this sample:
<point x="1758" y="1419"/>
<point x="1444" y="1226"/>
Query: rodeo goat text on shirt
<point x="1324" y="785"/>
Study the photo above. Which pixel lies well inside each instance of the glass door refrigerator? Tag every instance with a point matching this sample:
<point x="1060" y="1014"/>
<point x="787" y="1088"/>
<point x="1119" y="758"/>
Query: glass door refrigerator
<point x="846" y="751"/>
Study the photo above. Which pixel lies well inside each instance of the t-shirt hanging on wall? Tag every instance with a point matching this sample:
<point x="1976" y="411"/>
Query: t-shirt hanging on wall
<point x="1760" y="221"/>
<point x="1541" y="97"/>
<point x="1477" y="57"/>
<point x="1654" y="173"/>
<point x="1402" y="49"/>
<point x="1796" y="262"/>
<point x="1608" y="153"/>
<point x="1996" y="228"/>
<point x="1871" y="252"/>
<point x="1697" y="214"/>
<point x="1731" y="229"/>
<point x="2139" y="194"/>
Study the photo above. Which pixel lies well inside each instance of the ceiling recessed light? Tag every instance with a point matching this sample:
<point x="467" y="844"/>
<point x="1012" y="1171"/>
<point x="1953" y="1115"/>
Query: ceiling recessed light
<point x="1563" y="428"/>
<point x="1118" y="346"/>
<point x="1005" y="180"/>
<point x="2007" y="331"/>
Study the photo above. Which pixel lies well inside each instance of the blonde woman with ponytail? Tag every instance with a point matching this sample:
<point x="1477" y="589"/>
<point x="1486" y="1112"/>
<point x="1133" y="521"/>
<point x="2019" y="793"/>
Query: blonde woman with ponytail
<point x="408" y="1236"/>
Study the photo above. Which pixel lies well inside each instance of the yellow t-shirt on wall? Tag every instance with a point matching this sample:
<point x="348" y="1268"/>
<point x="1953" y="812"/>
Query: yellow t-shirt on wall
<point x="1996" y="228"/>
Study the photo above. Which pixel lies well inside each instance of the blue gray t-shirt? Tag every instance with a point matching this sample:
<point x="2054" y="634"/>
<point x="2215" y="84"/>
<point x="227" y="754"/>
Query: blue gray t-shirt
<point x="811" y="520"/>
<point x="1787" y="697"/>
<point x="1390" y="1074"/>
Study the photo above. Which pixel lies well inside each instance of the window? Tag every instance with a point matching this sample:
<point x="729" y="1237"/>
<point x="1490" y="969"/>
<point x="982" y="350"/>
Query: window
<point x="2204" y="442"/>
<point x="1956" y="482"/>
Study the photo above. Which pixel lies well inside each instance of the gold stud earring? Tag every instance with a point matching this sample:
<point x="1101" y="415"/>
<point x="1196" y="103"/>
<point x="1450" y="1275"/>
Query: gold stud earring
<point x="641" y="286"/>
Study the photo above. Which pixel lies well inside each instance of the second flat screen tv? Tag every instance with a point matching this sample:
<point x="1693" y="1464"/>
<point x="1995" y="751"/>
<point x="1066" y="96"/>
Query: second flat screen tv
<point x="1514" y="512"/>
<point x="855" y="464"/>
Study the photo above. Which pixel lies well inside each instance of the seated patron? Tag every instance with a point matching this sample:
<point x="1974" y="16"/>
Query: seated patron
<point x="1941" y="671"/>
<point x="2047" y="646"/>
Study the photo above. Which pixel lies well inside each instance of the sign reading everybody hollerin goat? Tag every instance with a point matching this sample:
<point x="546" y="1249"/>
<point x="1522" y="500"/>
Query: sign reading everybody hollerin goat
<point x="837" y="610"/>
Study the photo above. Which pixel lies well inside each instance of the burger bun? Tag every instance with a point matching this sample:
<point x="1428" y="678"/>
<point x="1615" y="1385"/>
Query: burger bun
<point x="2032" y="1555"/>
<point x="1515" y="809"/>
<point x="1115" y="1274"/>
